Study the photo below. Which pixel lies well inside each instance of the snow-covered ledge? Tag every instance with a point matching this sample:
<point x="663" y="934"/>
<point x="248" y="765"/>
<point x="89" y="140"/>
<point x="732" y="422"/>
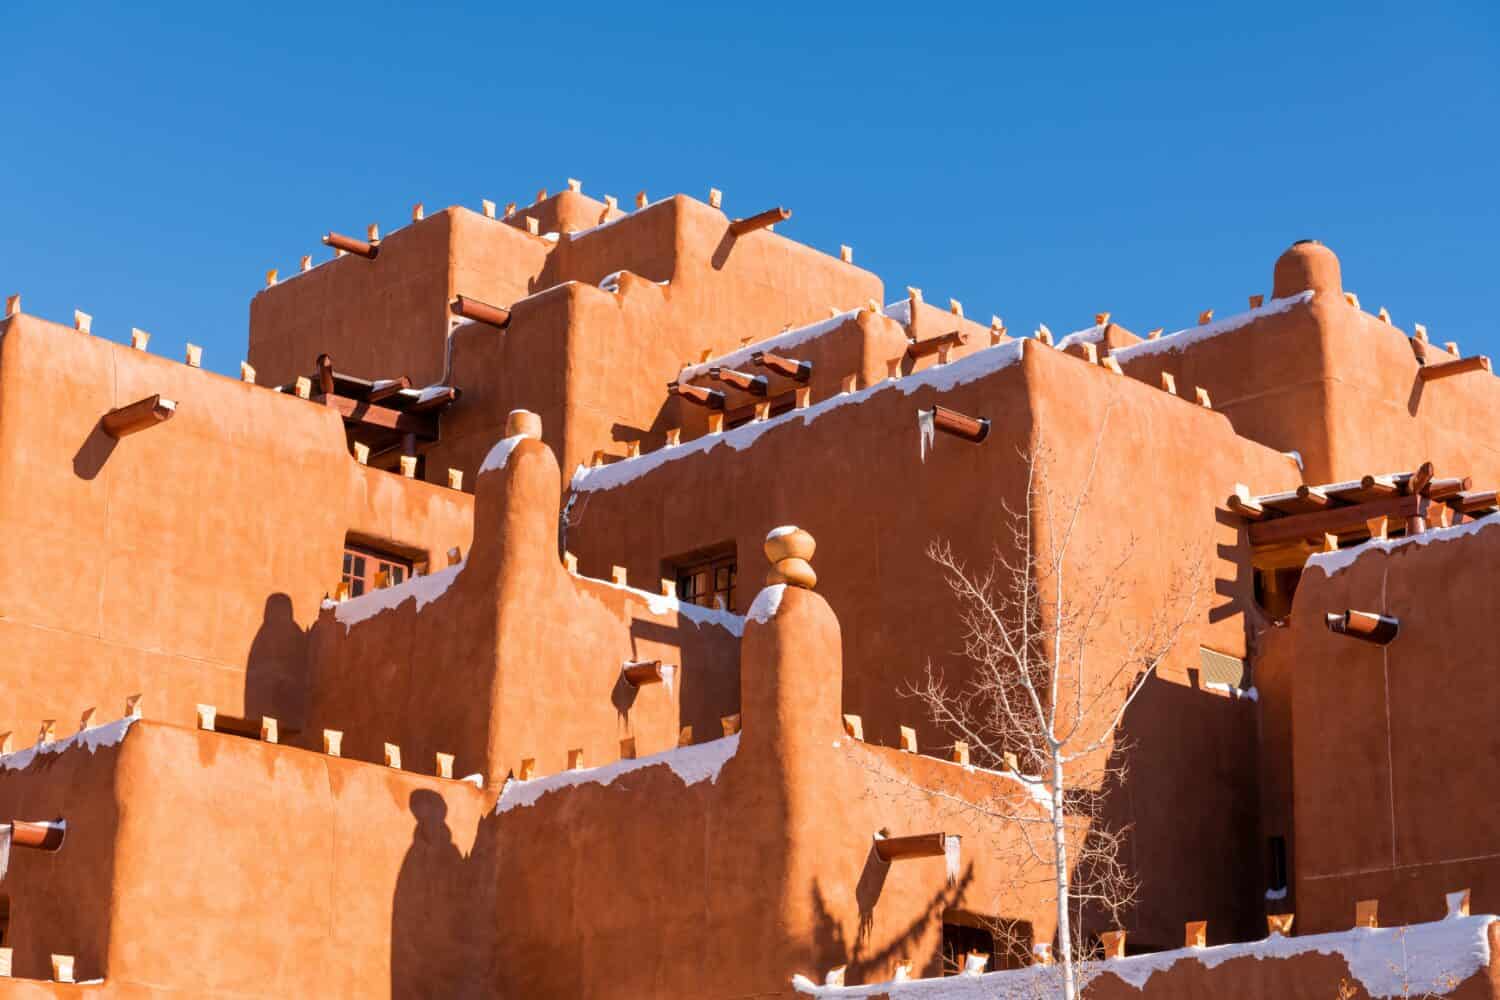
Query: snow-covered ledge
<point x="92" y="739"/>
<point x="692" y="764"/>
<point x="1389" y="962"/>
<point x="1332" y="562"/>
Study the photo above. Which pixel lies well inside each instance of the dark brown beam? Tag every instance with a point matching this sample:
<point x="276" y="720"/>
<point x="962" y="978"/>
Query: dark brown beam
<point x="349" y="244"/>
<point x="391" y="388"/>
<point x="739" y="227"/>
<point x="137" y="416"/>
<point x="360" y="412"/>
<point x="960" y="425"/>
<point x="638" y="672"/>
<point x="481" y="312"/>
<point x="42" y="836"/>
<point x="1471" y="500"/>
<point x="325" y="376"/>
<point x="784" y="366"/>
<point x="1443" y="489"/>
<point x="920" y="845"/>
<point x="1336" y="520"/>
<point x="713" y="399"/>
<point x="1366" y="626"/>
<point x="755" y="385"/>
<point x="932" y="345"/>
<point x="1443" y="369"/>
<point x="436" y="401"/>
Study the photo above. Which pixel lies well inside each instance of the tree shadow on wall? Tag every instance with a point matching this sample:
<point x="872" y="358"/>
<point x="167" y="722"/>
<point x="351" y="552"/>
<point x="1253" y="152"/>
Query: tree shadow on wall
<point x="438" y="921"/>
<point x="875" y="964"/>
<point x="276" y="666"/>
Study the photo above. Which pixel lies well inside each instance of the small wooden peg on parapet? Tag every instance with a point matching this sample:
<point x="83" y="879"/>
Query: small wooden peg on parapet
<point x="570" y="563"/>
<point x="393" y="756"/>
<point x="846" y="253"/>
<point x="715" y="198"/>
<point x="835" y="976"/>
<point x="455" y="479"/>
<point x="12" y="306"/>
<point x="444" y="764"/>
<point x="1201" y="395"/>
<point x="1113" y="943"/>
<point x="6" y="963"/>
<point x="133" y="706"/>
<point x="247" y="373"/>
<point x="528" y="769"/>
<point x="1196" y="934"/>
<point x="418" y="212"/>
<point x="908" y="739"/>
<point x="975" y="962"/>
<point x="627" y="748"/>
<point x="7" y="742"/>
<point x="207" y="716"/>
<point x="455" y="556"/>
<point x="961" y="753"/>
<point x="139" y="338"/>
<point x="903" y="971"/>
<point x="617" y="576"/>
<point x="333" y="742"/>
<point x="270" y="730"/>
<point x="854" y="726"/>
<point x="575" y="759"/>
<point x="1280" y="923"/>
<point x="1205" y="317"/>
<point x="1367" y="913"/>
<point x="1458" y="904"/>
<point x="86" y="720"/>
<point x="62" y="968"/>
<point x="685" y="736"/>
<point x="82" y="321"/>
<point x="305" y="264"/>
<point x="271" y="277"/>
<point x="730" y="724"/>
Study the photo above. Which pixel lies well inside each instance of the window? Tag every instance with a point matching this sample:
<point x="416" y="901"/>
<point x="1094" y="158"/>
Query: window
<point x="706" y="578"/>
<point x="363" y="567"/>
<point x="1278" y="865"/>
<point x="1007" y="942"/>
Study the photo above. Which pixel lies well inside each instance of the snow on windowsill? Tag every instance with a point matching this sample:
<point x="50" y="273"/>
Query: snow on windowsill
<point x="1332" y="562"/>
<point x="93" y="738"/>
<point x="967" y="369"/>
<point x="423" y="589"/>
<point x="1194" y="334"/>
<point x="1388" y="962"/>
<point x="692" y="765"/>
<point x="662" y="604"/>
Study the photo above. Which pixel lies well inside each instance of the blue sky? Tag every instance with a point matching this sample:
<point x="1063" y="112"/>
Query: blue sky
<point x="1039" y="164"/>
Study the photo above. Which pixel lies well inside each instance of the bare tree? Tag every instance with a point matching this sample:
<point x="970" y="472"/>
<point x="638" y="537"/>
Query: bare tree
<point x="1051" y="676"/>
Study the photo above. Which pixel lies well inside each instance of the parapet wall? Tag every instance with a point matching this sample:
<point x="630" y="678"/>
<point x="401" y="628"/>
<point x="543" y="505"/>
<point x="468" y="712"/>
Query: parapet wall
<point x="183" y="562"/>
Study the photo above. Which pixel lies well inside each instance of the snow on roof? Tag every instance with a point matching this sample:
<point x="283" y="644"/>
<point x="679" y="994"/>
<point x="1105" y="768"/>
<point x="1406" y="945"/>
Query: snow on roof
<point x="661" y="604"/>
<point x="967" y="369"/>
<point x="1088" y="335"/>
<point x="1193" y="334"/>
<point x="424" y="589"/>
<point x="1416" y="960"/>
<point x="1331" y="562"/>
<point x="900" y="311"/>
<point x="93" y="738"/>
<point x="781" y="341"/>
<point x="692" y="764"/>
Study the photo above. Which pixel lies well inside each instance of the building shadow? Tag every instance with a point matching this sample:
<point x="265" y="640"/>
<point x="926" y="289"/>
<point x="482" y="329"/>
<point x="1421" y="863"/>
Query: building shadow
<point x="434" y="919"/>
<point x="276" y="666"/>
<point x="89" y="460"/>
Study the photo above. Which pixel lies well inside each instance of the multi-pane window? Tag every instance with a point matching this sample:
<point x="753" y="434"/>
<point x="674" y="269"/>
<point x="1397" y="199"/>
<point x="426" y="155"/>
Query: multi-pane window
<point x="708" y="583"/>
<point x="363" y="568"/>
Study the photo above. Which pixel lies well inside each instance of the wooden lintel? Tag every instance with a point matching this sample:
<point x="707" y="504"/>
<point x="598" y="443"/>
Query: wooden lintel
<point x="137" y="416"/>
<point x="1337" y="520"/>
<point x="920" y="845"/>
<point x="763" y="220"/>
<point x="1443" y="369"/>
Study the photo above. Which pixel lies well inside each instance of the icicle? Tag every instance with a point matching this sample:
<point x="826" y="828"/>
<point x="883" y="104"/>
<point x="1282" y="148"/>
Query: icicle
<point x="951" y="851"/>
<point x="5" y="832"/>
<point x="928" y="430"/>
<point x="668" y="675"/>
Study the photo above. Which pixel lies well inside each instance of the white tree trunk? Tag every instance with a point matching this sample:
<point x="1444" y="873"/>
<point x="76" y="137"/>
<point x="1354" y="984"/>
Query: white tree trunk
<point x="1060" y="860"/>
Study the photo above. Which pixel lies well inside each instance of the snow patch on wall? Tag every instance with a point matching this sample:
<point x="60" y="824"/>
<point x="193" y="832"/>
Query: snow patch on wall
<point x="766" y="604"/>
<point x="1332" y="562"/>
<point x="790" y="338"/>
<point x="967" y="369"/>
<point x="424" y="589"/>
<point x="1388" y="962"/>
<point x="1194" y="334"/>
<point x="92" y="738"/>
<point x="692" y="764"/>
<point x="500" y="454"/>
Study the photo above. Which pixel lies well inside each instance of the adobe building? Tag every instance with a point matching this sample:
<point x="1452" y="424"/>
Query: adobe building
<point x="464" y="644"/>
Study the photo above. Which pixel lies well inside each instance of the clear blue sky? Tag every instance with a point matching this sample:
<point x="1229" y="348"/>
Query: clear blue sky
<point x="1041" y="164"/>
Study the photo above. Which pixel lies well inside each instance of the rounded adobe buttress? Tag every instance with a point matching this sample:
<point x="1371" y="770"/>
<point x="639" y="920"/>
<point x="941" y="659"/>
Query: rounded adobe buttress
<point x="1307" y="264"/>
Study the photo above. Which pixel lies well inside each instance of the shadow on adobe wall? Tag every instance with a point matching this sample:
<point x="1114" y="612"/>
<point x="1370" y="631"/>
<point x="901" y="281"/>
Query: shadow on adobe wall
<point x="440" y="920"/>
<point x="93" y="453"/>
<point x="831" y="943"/>
<point x="276" y="666"/>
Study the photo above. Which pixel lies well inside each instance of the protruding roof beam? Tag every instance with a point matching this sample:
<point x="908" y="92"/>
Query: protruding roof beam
<point x="784" y="366"/>
<point x="348" y="244"/>
<point x="1443" y="369"/>
<point x="755" y="385"/>
<point x="1366" y="626"/>
<point x="920" y="845"/>
<point x="765" y="220"/>
<point x="713" y="399"/>
<point x="934" y="345"/>
<point x="973" y="429"/>
<point x="480" y="312"/>
<point x="137" y="416"/>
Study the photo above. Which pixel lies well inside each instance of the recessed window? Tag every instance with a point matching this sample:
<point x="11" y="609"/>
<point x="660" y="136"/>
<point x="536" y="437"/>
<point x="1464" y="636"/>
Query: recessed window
<point x="706" y="578"/>
<point x="1007" y="942"/>
<point x="367" y="569"/>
